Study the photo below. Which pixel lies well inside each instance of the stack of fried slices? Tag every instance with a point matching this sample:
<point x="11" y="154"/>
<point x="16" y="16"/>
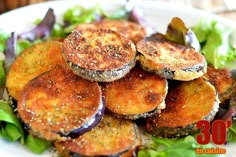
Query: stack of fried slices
<point x="86" y="92"/>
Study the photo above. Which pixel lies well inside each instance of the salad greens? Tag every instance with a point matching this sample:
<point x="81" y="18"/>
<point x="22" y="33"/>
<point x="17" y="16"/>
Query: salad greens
<point x="178" y="148"/>
<point x="232" y="132"/>
<point x="214" y="40"/>
<point x="179" y="33"/>
<point x="11" y="128"/>
<point x="43" y="29"/>
<point x="37" y="145"/>
<point x="3" y="38"/>
<point x="78" y="14"/>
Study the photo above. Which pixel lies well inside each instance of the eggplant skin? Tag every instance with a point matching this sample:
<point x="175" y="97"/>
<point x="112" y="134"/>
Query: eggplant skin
<point x="100" y="55"/>
<point x="58" y="105"/>
<point x="170" y="60"/>
<point x="102" y="76"/>
<point x="111" y="137"/>
<point x="141" y="94"/>
<point x="187" y="102"/>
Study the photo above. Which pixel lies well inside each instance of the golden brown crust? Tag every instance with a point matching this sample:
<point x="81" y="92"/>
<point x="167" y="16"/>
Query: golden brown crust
<point x="170" y="60"/>
<point x="139" y="93"/>
<point x="221" y="79"/>
<point x="99" y="54"/>
<point x="186" y="103"/>
<point x="112" y="136"/>
<point x="58" y="102"/>
<point x="131" y="30"/>
<point x="32" y="62"/>
<point x="98" y="49"/>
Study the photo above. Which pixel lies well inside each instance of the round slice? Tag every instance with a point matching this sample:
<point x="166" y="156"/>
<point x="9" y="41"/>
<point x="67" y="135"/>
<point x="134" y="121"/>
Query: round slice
<point x="139" y="94"/>
<point x="222" y="80"/>
<point x="32" y="62"/>
<point x="59" y="104"/>
<point x="170" y="60"/>
<point x="111" y="137"/>
<point x="131" y="30"/>
<point x="186" y="103"/>
<point x="99" y="54"/>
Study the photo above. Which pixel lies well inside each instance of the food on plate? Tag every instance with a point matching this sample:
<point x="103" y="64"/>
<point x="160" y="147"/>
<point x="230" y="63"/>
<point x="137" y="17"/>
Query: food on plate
<point x="137" y="95"/>
<point x="131" y="30"/>
<point x="222" y="81"/>
<point x="58" y="104"/>
<point x="187" y="102"/>
<point x="32" y="62"/>
<point x="111" y="137"/>
<point x="170" y="60"/>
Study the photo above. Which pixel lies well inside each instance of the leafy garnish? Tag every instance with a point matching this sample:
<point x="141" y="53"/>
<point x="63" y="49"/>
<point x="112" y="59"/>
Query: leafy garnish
<point x="58" y="31"/>
<point x="78" y="14"/>
<point x="179" y="33"/>
<point x="231" y="134"/>
<point x="2" y="74"/>
<point x="215" y="42"/>
<point x="178" y="148"/>
<point x="231" y="115"/>
<point x="10" y="127"/>
<point x="22" y="44"/>
<point x="119" y="13"/>
<point x="3" y="38"/>
<point x="10" y="51"/>
<point x="43" y="29"/>
<point x="37" y="145"/>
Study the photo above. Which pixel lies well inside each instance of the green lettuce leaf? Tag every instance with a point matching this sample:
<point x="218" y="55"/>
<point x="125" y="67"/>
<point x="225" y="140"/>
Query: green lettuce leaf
<point x="215" y="41"/>
<point x="11" y="128"/>
<point x="11" y="132"/>
<point x="2" y="74"/>
<point x="163" y="147"/>
<point x="231" y="134"/>
<point x="78" y="14"/>
<point x="3" y="38"/>
<point x="37" y="145"/>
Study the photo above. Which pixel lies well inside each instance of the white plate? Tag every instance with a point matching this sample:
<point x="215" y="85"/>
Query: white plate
<point x="156" y="13"/>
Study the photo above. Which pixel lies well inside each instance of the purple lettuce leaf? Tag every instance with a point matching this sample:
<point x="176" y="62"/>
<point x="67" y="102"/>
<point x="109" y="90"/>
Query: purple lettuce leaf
<point x="10" y="51"/>
<point x="43" y="29"/>
<point x="136" y="15"/>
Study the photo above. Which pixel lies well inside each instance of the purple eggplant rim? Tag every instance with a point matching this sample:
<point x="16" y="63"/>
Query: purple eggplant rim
<point x="89" y="125"/>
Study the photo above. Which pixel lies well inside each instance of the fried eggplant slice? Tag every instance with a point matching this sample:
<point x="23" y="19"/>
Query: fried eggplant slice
<point x="111" y="137"/>
<point x="226" y="96"/>
<point x="137" y="95"/>
<point x="131" y="30"/>
<point x="170" y="60"/>
<point x="99" y="54"/>
<point x="32" y="62"/>
<point x="222" y="80"/>
<point x="187" y="102"/>
<point x="59" y="104"/>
